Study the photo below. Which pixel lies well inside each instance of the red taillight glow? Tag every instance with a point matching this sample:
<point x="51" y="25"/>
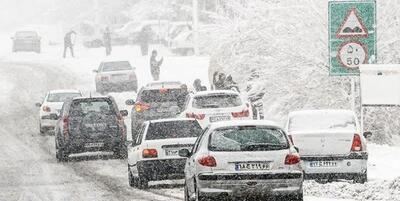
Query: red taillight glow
<point x="140" y="107"/>
<point x="46" y="109"/>
<point x="292" y="159"/>
<point x="357" y="144"/>
<point x="195" y="116"/>
<point x="208" y="161"/>
<point x="149" y="153"/>
<point x="65" y="126"/>
<point x="104" y="78"/>
<point x="244" y="113"/>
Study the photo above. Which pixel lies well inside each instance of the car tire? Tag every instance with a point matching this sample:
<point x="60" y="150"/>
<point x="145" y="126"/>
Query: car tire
<point x="41" y="129"/>
<point x="361" y="179"/>
<point x="142" y="183"/>
<point x="61" y="156"/>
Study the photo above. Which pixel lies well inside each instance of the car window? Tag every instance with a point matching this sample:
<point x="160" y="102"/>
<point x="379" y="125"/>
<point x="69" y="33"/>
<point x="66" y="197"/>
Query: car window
<point x="61" y="97"/>
<point x="26" y="34"/>
<point x="161" y="95"/>
<point x="322" y="121"/>
<point x="248" y="138"/>
<point x="217" y="101"/>
<point x="173" y="129"/>
<point x="100" y="106"/>
<point x="198" y="141"/>
<point x="116" y="66"/>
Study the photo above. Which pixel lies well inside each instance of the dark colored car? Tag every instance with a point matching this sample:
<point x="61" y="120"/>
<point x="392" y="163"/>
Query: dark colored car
<point x="90" y="124"/>
<point x="157" y="100"/>
<point x="26" y="41"/>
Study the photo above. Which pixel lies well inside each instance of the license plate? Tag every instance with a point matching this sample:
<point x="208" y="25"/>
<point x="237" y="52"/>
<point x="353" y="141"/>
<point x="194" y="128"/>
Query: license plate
<point x="171" y="152"/>
<point x="93" y="145"/>
<point x="119" y="77"/>
<point x="253" y="166"/>
<point x="220" y="118"/>
<point x="323" y="164"/>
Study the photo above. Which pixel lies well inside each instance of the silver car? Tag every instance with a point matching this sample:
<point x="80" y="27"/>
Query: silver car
<point x="241" y="160"/>
<point x="115" y="76"/>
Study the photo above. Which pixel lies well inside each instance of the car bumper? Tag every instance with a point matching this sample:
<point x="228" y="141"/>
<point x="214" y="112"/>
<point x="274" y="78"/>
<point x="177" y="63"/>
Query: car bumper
<point x="162" y="169"/>
<point x="346" y="167"/>
<point x="239" y="185"/>
<point x="120" y="84"/>
<point x="80" y="146"/>
<point x="46" y="122"/>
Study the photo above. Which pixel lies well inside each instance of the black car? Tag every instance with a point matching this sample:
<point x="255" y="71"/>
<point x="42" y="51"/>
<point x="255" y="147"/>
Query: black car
<point x="90" y="124"/>
<point x="26" y="41"/>
<point x="157" y="100"/>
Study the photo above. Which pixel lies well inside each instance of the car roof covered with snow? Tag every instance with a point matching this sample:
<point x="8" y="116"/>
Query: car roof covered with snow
<point x="224" y="124"/>
<point x="215" y="92"/>
<point x="163" y="84"/>
<point x="321" y="111"/>
<point x="171" y="119"/>
<point x="61" y="91"/>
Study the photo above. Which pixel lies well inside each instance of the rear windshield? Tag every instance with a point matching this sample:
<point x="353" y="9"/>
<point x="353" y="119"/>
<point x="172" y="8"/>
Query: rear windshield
<point x="217" y="101"/>
<point x="25" y="34"/>
<point x="99" y="106"/>
<point x="116" y="66"/>
<point x="322" y="121"/>
<point x="162" y="95"/>
<point x="248" y="139"/>
<point x="173" y="129"/>
<point x="61" y="97"/>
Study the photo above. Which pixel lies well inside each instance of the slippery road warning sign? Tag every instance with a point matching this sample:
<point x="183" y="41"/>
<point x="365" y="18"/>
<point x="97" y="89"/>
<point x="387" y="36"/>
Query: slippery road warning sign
<point x="352" y="36"/>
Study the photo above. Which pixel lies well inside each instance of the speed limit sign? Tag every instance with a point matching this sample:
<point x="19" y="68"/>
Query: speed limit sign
<point x="352" y="54"/>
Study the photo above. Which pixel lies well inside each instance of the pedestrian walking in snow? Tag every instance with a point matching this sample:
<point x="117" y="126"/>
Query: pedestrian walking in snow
<point x="144" y="39"/>
<point x="69" y="43"/>
<point x="155" y="65"/>
<point x="198" y="87"/>
<point x="107" y="41"/>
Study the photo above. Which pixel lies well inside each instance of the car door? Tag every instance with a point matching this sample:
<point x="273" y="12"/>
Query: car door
<point x="134" y="150"/>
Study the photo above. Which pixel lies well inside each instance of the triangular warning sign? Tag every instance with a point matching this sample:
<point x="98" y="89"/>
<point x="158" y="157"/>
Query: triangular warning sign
<point x="352" y="26"/>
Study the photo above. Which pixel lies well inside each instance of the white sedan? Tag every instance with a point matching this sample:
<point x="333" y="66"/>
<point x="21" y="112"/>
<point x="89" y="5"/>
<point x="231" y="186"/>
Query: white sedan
<point x="237" y="159"/>
<point x="213" y="106"/>
<point x="51" y="106"/>
<point x="330" y="144"/>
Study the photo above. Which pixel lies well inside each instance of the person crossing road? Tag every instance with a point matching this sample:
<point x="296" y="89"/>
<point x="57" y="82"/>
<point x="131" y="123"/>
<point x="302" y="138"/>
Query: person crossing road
<point x="155" y="65"/>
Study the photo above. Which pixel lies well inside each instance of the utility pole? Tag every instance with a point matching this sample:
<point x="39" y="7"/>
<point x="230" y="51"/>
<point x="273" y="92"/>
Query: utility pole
<point x="196" y="26"/>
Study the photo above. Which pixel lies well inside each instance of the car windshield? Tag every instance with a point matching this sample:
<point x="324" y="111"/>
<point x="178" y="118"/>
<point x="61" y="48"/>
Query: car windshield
<point x="61" y="97"/>
<point x="322" y="121"/>
<point x="217" y="101"/>
<point x="99" y="106"/>
<point x="26" y="34"/>
<point x="161" y="95"/>
<point x="116" y="66"/>
<point x="173" y="129"/>
<point x="248" y="138"/>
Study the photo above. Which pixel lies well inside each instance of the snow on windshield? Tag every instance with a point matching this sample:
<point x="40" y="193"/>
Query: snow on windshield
<point x="322" y="121"/>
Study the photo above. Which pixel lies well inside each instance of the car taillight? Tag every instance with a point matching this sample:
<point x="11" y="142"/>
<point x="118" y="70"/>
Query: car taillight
<point x="104" y="78"/>
<point x="140" y="107"/>
<point x="149" y="153"/>
<point x="291" y="139"/>
<point x="208" y="161"/>
<point x="195" y="116"/>
<point x="46" y="109"/>
<point x="66" y="126"/>
<point x="244" y="113"/>
<point x="132" y="77"/>
<point x="292" y="159"/>
<point x="357" y="144"/>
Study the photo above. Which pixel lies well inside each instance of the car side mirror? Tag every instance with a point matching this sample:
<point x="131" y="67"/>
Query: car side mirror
<point x="95" y="71"/>
<point x="184" y="153"/>
<point x="38" y="104"/>
<point x="124" y="113"/>
<point x="367" y="134"/>
<point x="129" y="102"/>
<point x="53" y="116"/>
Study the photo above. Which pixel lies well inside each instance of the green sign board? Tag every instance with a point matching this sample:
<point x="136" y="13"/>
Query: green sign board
<point x="352" y="36"/>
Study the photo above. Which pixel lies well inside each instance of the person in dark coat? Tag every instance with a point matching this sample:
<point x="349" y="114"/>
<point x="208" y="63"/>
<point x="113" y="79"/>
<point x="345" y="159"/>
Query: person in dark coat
<point x="68" y="43"/>
<point x="198" y="87"/>
<point x="107" y="41"/>
<point x="155" y="65"/>
<point x="144" y="40"/>
<point x="230" y="84"/>
<point x="220" y="82"/>
<point x="181" y="98"/>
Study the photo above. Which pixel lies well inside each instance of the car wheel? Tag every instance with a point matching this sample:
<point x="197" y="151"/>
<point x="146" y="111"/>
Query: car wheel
<point x="361" y="179"/>
<point x="61" y="156"/>
<point x="142" y="183"/>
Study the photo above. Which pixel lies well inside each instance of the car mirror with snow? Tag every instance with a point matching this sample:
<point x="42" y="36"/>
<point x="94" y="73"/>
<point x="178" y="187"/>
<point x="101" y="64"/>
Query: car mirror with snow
<point x="38" y="104"/>
<point x="124" y="113"/>
<point x="129" y="102"/>
<point x="184" y="153"/>
<point x="367" y="134"/>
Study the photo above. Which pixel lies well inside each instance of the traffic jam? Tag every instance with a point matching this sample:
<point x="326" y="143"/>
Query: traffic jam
<point x="198" y="101"/>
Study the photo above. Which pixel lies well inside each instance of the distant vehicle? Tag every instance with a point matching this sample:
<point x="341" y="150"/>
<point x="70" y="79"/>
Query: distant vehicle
<point x="219" y="105"/>
<point x="153" y="156"/>
<point x="132" y="29"/>
<point x="330" y="144"/>
<point x="115" y="76"/>
<point x="156" y="100"/>
<point x="183" y="43"/>
<point x="26" y="41"/>
<point x="51" y="106"/>
<point x="238" y="159"/>
<point x="90" y="124"/>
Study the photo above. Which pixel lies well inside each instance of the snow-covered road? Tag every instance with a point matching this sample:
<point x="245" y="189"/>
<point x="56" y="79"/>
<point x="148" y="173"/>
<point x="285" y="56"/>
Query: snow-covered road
<point x="29" y="171"/>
